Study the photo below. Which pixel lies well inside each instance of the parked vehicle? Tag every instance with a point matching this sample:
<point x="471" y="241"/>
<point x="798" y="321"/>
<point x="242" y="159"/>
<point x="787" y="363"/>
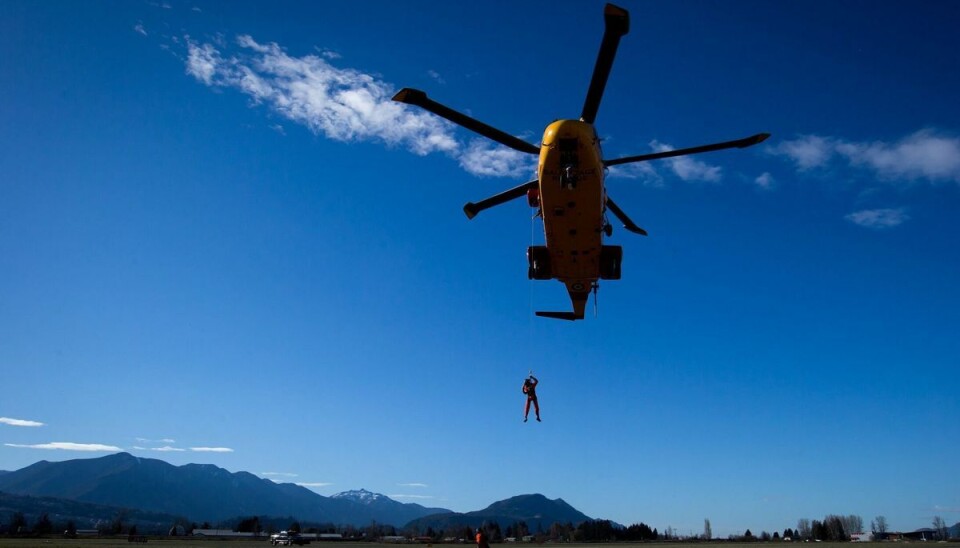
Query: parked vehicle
<point x="283" y="538"/>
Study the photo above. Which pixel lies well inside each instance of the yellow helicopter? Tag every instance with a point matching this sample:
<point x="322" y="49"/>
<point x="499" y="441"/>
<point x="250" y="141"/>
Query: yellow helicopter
<point x="569" y="191"/>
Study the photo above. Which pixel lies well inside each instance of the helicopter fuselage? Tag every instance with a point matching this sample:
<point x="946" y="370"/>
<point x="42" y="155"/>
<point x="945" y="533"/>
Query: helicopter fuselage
<point x="571" y="201"/>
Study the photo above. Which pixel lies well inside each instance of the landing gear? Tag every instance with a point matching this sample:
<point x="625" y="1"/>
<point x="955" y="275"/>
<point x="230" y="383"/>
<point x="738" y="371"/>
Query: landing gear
<point x="611" y="256"/>
<point x="538" y="259"/>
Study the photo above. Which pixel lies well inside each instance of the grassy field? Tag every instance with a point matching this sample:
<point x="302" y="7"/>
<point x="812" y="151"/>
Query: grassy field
<point x="209" y="543"/>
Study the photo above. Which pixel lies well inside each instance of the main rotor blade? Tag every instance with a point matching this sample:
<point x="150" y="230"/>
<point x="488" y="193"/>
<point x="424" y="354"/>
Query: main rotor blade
<point x="616" y="24"/>
<point x="627" y="223"/>
<point x="471" y="209"/>
<point x="739" y="143"/>
<point x="418" y="98"/>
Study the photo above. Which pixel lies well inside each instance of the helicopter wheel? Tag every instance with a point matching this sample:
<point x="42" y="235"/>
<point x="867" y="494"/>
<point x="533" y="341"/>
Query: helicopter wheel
<point x="611" y="257"/>
<point x="538" y="259"/>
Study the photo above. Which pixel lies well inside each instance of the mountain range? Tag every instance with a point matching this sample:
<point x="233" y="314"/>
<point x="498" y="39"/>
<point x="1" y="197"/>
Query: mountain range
<point x="204" y="492"/>
<point x="536" y="510"/>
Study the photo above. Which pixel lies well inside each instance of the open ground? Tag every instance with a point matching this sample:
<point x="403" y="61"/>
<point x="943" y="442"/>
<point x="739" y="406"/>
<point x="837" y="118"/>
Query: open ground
<point x="188" y="542"/>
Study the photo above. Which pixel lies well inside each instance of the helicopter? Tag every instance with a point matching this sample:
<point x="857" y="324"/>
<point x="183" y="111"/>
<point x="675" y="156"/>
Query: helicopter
<point x="569" y="193"/>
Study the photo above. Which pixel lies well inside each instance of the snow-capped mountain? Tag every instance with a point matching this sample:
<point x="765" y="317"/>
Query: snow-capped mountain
<point x="389" y="510"/>
<point x="361" y="496"/>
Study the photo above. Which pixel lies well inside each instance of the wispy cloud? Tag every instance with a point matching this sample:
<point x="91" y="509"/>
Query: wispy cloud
<point x="329" y="54"/>
<point x="19" y="422"/>
<point x="278" y="474"/>
<point x="412" y="484"/>
<point x="166" y="448"/>
<point x="924" y="155"/>
<point x="212" y="449"/>
<point x="764" y="181"/>
<point x="436" y="76"/>
<point x="488" y="159"/>
<point x="403" y="496"/>
<point x="642" y="171"/>
<point x="340" y="103"/>
<point x="878" y="218"/>
<point x="67" y="446"/>
<point x="807" y="151"/>
<point x="202" y="62"/>
<point x="139" y="28"/>
<point x="314" y="484"/>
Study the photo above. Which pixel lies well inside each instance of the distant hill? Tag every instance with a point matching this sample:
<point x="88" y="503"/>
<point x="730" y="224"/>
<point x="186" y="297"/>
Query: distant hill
<point x="204" y="492"/>
<point x="83" y="514"/>
<point x="383" y="509"/>
<point x="201" y="492"/>
<point x="535" y="509"/>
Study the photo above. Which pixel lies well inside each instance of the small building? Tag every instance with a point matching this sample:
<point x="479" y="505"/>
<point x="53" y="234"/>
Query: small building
<point x="221" y="533"/>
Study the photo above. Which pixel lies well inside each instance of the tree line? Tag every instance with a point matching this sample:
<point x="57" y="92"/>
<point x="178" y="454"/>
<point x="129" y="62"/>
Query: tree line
<point x="832" y="528"/>
<point x="835" y="528"/>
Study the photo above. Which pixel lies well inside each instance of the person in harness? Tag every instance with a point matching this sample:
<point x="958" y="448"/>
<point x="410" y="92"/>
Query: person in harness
<point x="482" y="539"/>
<point x="530" y="389"/>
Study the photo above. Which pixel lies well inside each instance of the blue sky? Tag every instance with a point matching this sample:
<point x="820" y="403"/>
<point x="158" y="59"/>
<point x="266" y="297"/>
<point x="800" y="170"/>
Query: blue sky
<point x="218" y="236"/>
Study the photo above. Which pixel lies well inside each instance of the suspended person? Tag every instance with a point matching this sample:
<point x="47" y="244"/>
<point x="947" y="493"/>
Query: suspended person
<point x="530" y="389"/>
<point x="482" y="539"/>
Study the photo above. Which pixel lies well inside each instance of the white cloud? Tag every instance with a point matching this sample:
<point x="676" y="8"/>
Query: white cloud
<point x="314" y="484"/>
<point x="19" y="422"/>
<point x="212" y="449"/>
<point x="687" y="168"/>
<point x="162" y="440"/>
<point x="643" y="171"/>
<point x="343" y="104"/>
<point x="923" y="155"/>
<point x="436" y="76"/>
<point x="202" y="62"/>
<point x="878" y="218"/>
<point x="412" y="484"/>
<point x="139" y="28"/>
<point x="329" y="54"/>
<point x="489" y="159"/>
<point x="764" y="181"/>
<point x="807" y="151"/>
<point x="278" y="474"/>
<point x="67" y="446"/>
<point x="167" y="449"/>
<point x="401" y="496"/>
